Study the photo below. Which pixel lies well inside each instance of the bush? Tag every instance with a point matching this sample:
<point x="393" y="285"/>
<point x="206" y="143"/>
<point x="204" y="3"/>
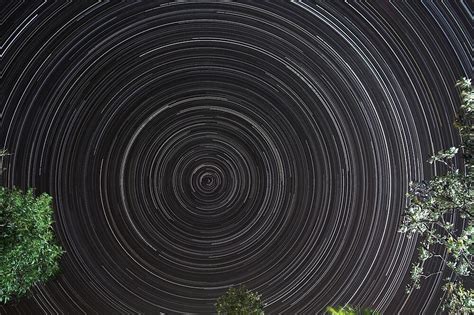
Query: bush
<point x="29" y="254"/>
<point x="349" y="310"/>
<point x="239" y="301"/>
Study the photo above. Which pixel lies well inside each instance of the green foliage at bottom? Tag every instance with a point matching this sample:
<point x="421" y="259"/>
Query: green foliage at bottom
<point x="349" y="310"/>
<point x="28" y="252"/>
<point x="240" y="301"/>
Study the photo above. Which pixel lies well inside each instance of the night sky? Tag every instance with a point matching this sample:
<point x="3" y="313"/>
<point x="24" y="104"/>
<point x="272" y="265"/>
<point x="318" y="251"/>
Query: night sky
<point x="194" y="145"/>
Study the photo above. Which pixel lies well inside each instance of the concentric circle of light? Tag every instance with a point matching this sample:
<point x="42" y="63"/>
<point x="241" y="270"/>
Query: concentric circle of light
<point x="194" y="146"/>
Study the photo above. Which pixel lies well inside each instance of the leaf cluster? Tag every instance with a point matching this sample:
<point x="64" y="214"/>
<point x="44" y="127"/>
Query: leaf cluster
<point x="350" y="310"/>
<point x="239" y="301"/>
<point x="28" y="252"/>
<point x="433" y="207"/>
<point x="461" y="299"/>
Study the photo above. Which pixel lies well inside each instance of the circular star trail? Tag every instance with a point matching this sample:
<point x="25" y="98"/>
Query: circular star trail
<point x="191" y="146"/>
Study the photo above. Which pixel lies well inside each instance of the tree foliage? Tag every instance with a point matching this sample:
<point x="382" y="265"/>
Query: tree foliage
<point x="440" y="213"/>
<point x="240" y="301"/>
<point x="29" y="254"/>
<point x="349" y="310"/>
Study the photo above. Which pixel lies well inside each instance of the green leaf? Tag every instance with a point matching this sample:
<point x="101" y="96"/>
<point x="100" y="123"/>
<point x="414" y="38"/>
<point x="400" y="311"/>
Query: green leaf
<point x="434" y="204"/>
<point x="239" y="301"/>
<point x="28" y="252"/>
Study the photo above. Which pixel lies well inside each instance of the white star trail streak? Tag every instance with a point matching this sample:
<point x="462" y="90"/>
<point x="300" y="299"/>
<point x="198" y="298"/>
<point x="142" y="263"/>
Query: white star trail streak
<point x="194" y="145"/>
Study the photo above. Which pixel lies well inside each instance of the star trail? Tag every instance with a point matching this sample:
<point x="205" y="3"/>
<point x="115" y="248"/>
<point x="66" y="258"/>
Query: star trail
<point x="194" y="145"/>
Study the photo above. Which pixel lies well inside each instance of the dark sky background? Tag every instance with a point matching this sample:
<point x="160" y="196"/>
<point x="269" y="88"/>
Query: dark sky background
<point x="194" y="145"/>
